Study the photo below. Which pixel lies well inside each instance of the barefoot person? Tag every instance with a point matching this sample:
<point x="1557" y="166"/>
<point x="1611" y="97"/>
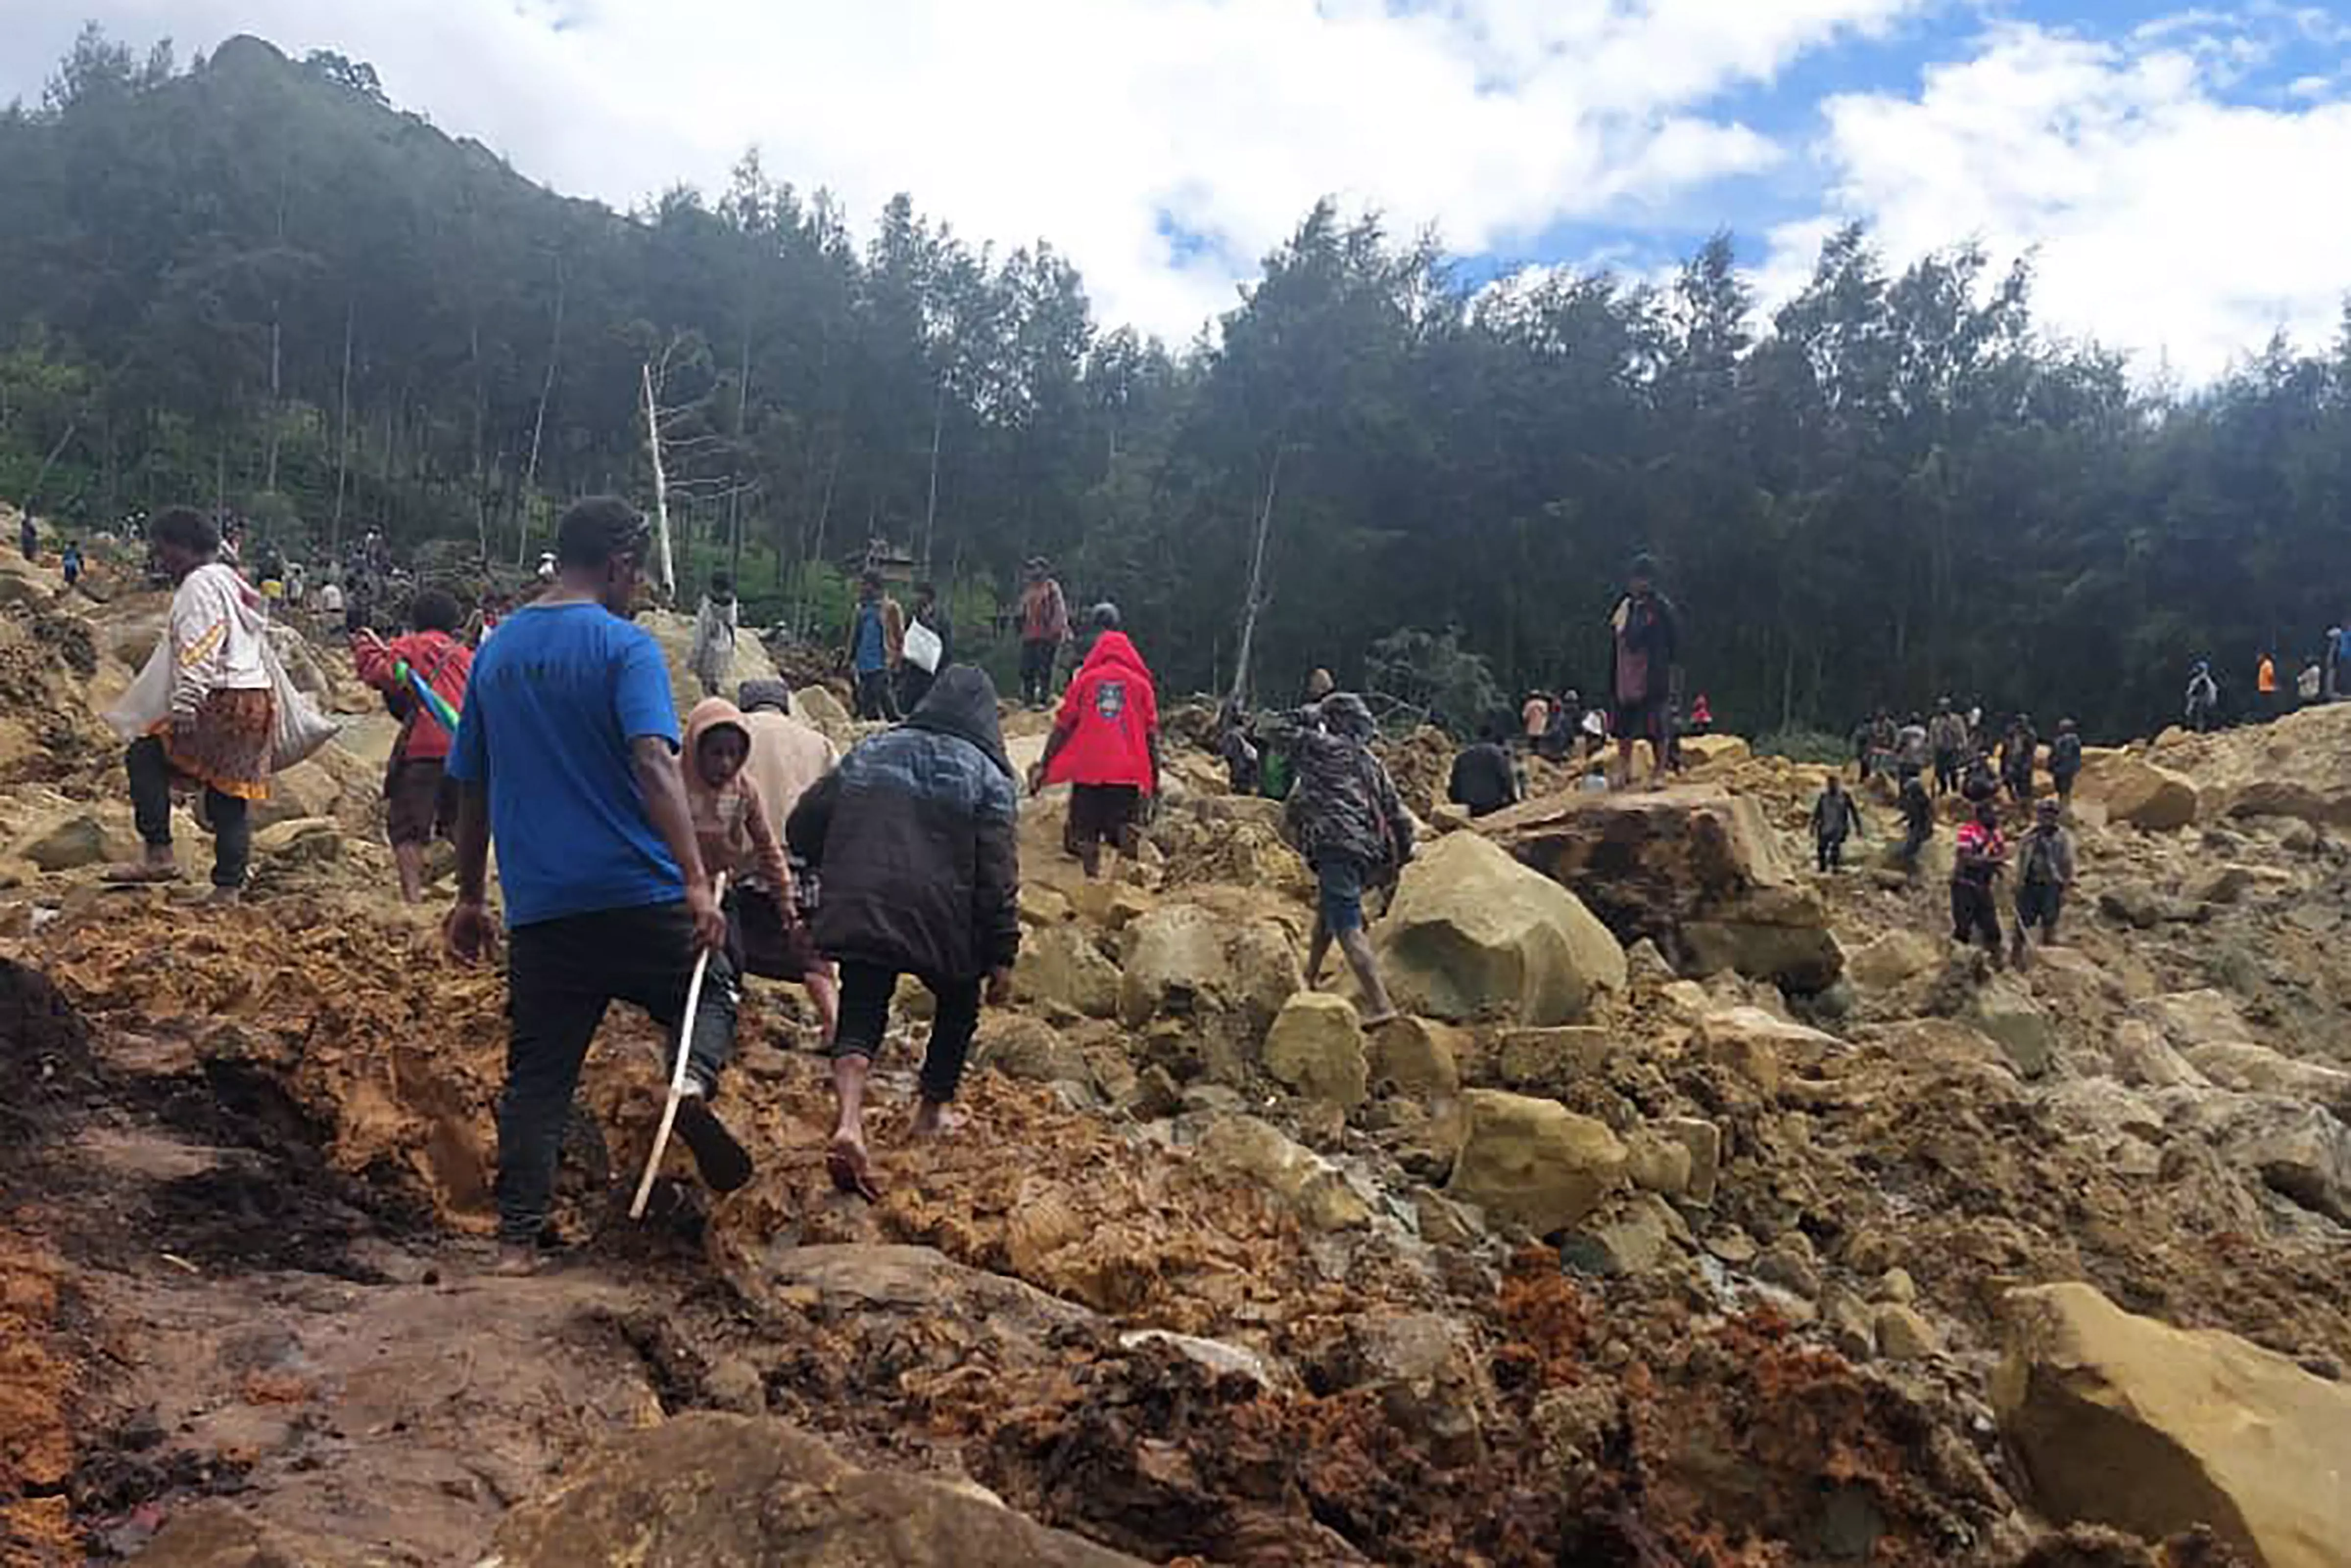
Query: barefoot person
<point x="1106" y="744"/>
<point x="915" y="836"/>
<point x="1347" y="820"/>
<point x="787" y="759"/>
<point x="737" y="833"/>
<point x="567" y="756"/>
<point x="420" y="803"/>
<point x="217" y="733"/>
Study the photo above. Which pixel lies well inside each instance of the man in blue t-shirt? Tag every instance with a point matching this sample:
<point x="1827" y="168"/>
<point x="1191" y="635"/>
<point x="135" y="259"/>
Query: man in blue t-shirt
<point x="566" y="756"/>
<point x="877" y="645"/>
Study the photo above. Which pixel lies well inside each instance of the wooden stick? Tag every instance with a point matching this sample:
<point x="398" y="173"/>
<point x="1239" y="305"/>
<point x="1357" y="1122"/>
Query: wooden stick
<point x="677" y="1072"/>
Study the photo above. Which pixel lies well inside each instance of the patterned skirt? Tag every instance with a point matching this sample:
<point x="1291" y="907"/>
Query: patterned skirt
<point x="232" y="746"/>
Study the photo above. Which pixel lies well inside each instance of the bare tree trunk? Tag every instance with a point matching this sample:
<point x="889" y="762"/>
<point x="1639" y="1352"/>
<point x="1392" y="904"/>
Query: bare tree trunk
<point x="931" y="507"/>
<point x="666" y="566"/>
<point x="277" y="364"/>
<point x="539" y="423"/>
<point x="816" y="556"/>
<point x="343" y="438"/>
<point x="734" y="468"/>
<point x="42" y="473"/>
<point x="1257" y="580"/>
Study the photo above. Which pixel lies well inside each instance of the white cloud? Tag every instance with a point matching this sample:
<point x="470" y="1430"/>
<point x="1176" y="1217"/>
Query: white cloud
<point x="1077" y="120"/>
<point x="2168" y="220"/>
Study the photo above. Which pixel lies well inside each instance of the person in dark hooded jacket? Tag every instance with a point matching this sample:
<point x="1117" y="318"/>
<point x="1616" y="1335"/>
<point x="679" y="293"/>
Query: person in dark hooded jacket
<point x="915" y="836"/>
<point x="1345" y="816"/>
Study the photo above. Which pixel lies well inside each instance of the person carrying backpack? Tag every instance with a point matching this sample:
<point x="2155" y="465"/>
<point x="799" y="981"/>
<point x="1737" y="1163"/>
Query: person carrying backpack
<point x="2202" y="703"/>
<point x="1346" y="818"/>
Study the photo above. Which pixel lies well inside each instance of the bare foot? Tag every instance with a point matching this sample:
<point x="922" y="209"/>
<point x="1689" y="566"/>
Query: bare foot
<point x="515" y="1260"/>
<point x="142" y="871"/>
<point x="933" y="1120"/>
<point x="851" y="1172"/>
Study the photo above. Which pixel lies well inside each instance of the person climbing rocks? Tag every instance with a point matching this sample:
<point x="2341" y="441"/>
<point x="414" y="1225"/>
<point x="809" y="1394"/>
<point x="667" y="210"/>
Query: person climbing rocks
<point x="1645" y="643"/>
<point x="1238" y="748"/>
<point x="2045" y="875"/>
<point x="1835" y="817"/>
<point x="2065" y="761"/>
<point x="70" y="563"/>
<point x="1918" y="820"/>
<point x="1106" y="744"/>
<point x="1345" y="816"/>
<point x="1982" y="856"/>
<point x="2265" y="686"/>
<point x="420" y="802"/>
<point x="877" y="642"/>
<point x="217" y="731"/>
<point x="1485" y="779"/>
<point x="1913" y="748"/>
<point x="28" y="537"/>
<point x="2018" y="751"/>
<point x="915" y="835"/>
<point x="2201" y="705"/>
<point x="712" y="656"/>
<point x="1702" y="720"/>
<point x="914" y="680"/>
<point x="787" y="759"/>
<point x="1947" y="741"/>
<point x="1044" y="627"/>
<point x="567" y="757"/>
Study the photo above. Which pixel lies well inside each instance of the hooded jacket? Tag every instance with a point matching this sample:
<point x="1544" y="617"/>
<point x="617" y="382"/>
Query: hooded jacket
<point x="915" y="834"/>
<point x="1344" y="803"/>
<point x="1108" y="717"/>
<point x="731" y="823"/>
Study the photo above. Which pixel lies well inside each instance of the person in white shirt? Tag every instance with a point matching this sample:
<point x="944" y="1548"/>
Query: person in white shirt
<point x="220" y="724"/>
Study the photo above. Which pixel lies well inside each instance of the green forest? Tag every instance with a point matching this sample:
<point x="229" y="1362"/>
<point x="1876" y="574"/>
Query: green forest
<point x="253" y="282"/>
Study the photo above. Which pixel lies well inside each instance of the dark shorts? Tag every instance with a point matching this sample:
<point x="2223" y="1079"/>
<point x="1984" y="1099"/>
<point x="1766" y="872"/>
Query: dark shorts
<point x="1338" y="898"/>
<point x="761" y="942"/>
<point x="420" y="802"/>
<point x="1102" y="813"/>
<point x="2039" y="902"/>
<point x="1639" y="721"/>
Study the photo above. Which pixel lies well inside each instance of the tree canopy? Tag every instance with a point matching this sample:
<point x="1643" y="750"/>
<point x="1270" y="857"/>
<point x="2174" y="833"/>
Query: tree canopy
<point x="255" y="282"/>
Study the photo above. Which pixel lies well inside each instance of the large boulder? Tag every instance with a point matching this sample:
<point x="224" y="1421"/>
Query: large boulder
<point x="1532" y="1162"/>
<point x="2134" y="792"/>
<point x="674" y="632"/>
<point x="2300" y="1151"/>
<point x="2257" y="1069"/>
<point x="1222" y="972"/>
<point x="2003" y="1009"/>
<point x="704" y="1490"/>
<point x="1294" y="1176"/>
<point x="1696" y="869"/>
<point x="2125" y="1421"/>
<point x="1316" y="1047"/>
<point x="1759" y="1047"/>
<point x="1059" y="967"/>
<point x="819" y="709"/>
<point x="1176" y="964"/>
<point x="1473" y="934"/>
<point x="2191" y="1018"/>
<point x="73" y="840"/>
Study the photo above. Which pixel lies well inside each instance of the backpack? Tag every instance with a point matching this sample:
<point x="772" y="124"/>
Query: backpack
<point x="2065" y="754"/>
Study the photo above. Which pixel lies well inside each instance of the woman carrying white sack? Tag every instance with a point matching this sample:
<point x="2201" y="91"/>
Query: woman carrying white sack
<point x="219" y="728"/>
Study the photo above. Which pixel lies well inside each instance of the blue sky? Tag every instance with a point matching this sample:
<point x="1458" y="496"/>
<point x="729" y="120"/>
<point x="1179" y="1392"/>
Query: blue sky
<point x="2172" y="168"/>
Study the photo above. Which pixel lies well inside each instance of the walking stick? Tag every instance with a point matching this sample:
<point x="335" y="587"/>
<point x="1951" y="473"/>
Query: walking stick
<point x="677" y="1072"/>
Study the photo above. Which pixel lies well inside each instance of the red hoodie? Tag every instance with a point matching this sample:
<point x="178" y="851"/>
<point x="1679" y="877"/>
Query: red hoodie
<point x="1108" y="717"/>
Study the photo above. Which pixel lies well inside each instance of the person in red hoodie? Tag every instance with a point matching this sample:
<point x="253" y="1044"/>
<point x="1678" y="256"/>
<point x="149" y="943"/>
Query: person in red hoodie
<point x="1105" y="742"/>
<point x="419" y="801"/>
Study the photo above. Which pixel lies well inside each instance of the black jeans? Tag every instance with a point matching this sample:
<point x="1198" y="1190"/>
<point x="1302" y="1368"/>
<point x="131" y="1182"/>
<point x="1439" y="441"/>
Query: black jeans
<point x="1828" y="852"/>
<point x="877" y="696"/>
<point x="865" y="993"/>
<point x="150" y="809"/>
<point x="560" y="977"/>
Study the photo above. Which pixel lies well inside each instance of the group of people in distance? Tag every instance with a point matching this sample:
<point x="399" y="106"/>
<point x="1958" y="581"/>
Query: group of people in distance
<point x="2320" y="681"/>
<point x="1959" y="751"/>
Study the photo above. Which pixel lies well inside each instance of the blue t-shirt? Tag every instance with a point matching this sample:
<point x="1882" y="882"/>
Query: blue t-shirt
<point x="870" y="654"/>
<point x="552" y="706"/>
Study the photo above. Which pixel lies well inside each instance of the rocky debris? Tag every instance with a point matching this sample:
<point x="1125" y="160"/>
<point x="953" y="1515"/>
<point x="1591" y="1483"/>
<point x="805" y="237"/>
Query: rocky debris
<point x="1551" y="1061"/>
<point x="1428" y="1372"/>
<point x="674" y="630"/>
<point x="72" y="840"/>
<point x="1892" y="960"/>
<point x="816" y="706"/>
<point x="1474" y="935"/>
<point x="1632" y="1235"/>
<point x="1696" y="869"/>
<point x="706" y="1488"/>
<point x="1421" y="764"/>
<point x="1533" y="1163"/>
<point x="2301" y="1151"/>
<point x="2133" y="792"/>
<point x="2257" y="1069"/>
<point x="214" y="1534"/>
<point x="2205" y="1017"/>
<point x="1316" y="1047"/>
<point x="1417" y="1058"/>
<point x="2138" y="1055"/>
<point x="2137" y="902"/>
<point x="1224" y="977"/>
<point x="1903" y="1334"/>
<point x="1061" y="966"/>
<point x="2004" y="1010"/>
<point x="1759" y="1047"/>
<point x="2123" y="1420"/>
<point x="1714" y="750"/>
<point x="1301" y="1181"/>
<point x="1028" y="1049"/>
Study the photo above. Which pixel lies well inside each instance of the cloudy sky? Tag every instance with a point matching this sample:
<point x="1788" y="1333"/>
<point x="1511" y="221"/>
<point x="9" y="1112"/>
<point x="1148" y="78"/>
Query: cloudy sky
<point x="2176" y="168"/>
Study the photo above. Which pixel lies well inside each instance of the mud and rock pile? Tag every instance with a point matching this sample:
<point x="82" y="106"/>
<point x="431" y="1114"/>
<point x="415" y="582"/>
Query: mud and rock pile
<point x="1705" y="1211"/>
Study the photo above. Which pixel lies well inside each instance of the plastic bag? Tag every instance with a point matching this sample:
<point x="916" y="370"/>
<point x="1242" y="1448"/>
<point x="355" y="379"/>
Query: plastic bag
<point x="923" y="647"/>
<point x="149" y="701"/>
<point x="298" y="728"/>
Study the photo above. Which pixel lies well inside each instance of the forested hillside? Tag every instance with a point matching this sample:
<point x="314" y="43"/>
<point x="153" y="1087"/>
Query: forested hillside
<point x="259" y="282"/>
